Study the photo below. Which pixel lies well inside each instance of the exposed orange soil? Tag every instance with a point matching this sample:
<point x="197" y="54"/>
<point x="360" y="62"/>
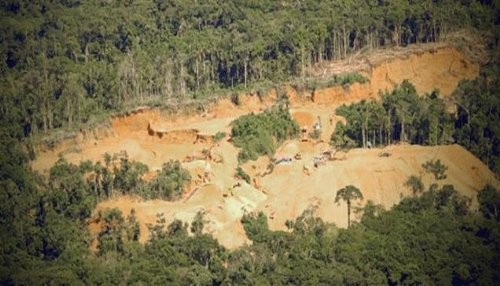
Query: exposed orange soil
<point x="153" y="138"/>
<point x="442" y="69"/>
<point x="381" y="179"/>
<point x="303" y="118"/>
<point x="288" y="191"/>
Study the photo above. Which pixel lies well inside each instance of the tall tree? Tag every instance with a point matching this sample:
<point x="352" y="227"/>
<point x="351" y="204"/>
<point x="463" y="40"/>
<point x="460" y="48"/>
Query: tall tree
<point x="348" y="194"/>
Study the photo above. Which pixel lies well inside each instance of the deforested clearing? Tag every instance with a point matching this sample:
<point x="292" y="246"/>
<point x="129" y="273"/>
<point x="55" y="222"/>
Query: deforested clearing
<point x="154" y="137"/>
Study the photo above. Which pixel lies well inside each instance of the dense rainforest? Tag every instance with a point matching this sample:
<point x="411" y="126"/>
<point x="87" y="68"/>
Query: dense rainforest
<point x="70" y="62"/>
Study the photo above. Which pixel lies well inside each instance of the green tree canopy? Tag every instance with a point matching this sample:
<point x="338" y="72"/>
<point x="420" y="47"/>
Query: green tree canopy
<point x="348" y="194"/>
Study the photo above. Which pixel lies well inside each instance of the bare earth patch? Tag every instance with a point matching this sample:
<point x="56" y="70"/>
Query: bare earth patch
<point x="154" y="138"/>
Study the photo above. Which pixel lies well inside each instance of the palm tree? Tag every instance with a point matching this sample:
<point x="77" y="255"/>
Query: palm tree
<point x="348" y="194"/>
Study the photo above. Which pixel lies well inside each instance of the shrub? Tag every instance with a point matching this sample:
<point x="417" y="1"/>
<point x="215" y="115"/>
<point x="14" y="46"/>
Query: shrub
<point x="315" y="134"/>
<point x="262" y="88"/>
<point x="436" y="168"/>
<point x="351" y="78"/>
<point x="415" y="183"/>
<point x="260" y="134"/>
<point x="128" y="175"/>
<point x="219" y="136"/>
<point x="169" y="182"/>
<point x="312" y="84"/>
<point x="336" y="80"/>
<point x="256" y="226"/>
<point x="240" y="173"/>
<point x="235" y="99"/>
<point x="246" y="155"/>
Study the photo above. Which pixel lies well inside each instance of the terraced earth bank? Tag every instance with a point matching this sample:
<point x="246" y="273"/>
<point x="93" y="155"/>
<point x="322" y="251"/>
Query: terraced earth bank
<point x="153" y="137"/>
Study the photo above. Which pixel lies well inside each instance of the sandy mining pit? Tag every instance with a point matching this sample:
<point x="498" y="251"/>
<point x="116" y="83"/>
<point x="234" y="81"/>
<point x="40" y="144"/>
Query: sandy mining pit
<point x="153" y="138"/>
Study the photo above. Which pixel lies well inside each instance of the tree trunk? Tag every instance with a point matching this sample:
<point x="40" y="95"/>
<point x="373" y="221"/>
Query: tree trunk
<point x="197" y="71"/>
<point x="167" y="85"/>
<point x="345" y="40"/>
<point x="182" y="83"/>
<point x="363" y="135"/>
<point x="245" y="70"/>
<point x="302" y="66"/>
<point x="139" y="89"/>
<point x="237" y="67"/>
<point x="44" y="116"/>
<point x="203" y="69"/>
<point x="396" y="35"/>
<point x="389" y="133"/>
<point x="320" y="54"/>
<point x="433" y="30"/>
<point x="354" y="42"/>
<point x="69" y="113"/>
<point x="332" y="47"/>
<point x="369" y="39"/>
<point x="402" y="135"/>
<point x="212" y="69"/>
<point x="259" y="66"/>
<point x="228" y="69"/>
<point x="380" y="136"/>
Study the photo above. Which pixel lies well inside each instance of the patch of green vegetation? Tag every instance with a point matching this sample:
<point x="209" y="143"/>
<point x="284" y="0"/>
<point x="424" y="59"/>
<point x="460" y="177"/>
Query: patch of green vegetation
<point x="118" y="175"/>
<point x="169" y="182"/>
<point x="344" y="80"/>
<point x="240" y="173"/>
<point x="235" y="98"/>
<point x="350" y="78"/>
<point x="260" y="134"/>
<point x="315" y="134"/>
<point x="219" y="136"/>
<point x="478" y="116"/>
<point x="401" y="115"/>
